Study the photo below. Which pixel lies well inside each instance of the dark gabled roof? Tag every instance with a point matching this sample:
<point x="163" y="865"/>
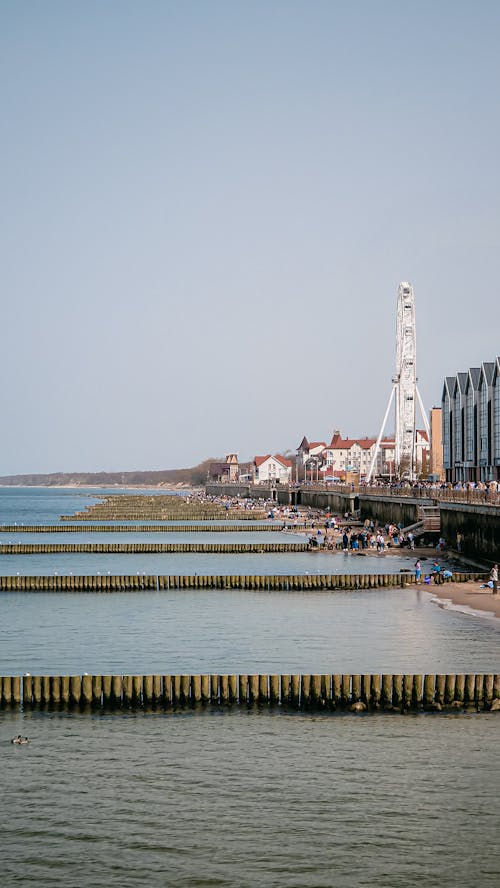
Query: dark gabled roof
<point x="460" y="383"/>
<point x="474" y="377"/>
<point x="487" y="372"/>
<point x="449" y="382"/>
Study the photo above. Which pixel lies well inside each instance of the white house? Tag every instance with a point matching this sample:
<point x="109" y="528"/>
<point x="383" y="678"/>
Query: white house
<point x="276" y="469"/>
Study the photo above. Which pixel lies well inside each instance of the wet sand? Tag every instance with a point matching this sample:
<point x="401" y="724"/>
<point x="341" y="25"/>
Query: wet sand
<point x="468" y="595"/>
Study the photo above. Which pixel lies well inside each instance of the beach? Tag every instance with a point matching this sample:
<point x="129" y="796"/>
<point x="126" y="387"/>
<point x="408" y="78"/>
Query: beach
<point x="468" y="595"/>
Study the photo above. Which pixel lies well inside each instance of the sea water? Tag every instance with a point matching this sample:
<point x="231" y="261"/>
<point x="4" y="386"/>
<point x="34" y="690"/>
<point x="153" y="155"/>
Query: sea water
<point x="237" y="798"/>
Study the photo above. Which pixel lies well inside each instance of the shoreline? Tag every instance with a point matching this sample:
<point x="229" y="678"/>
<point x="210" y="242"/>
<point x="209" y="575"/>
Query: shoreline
<point x="469" y="596"/>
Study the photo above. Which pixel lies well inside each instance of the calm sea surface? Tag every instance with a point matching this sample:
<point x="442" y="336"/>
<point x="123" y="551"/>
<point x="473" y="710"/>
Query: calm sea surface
<point x="237" y="798"/>
<point x="250" y="799"/>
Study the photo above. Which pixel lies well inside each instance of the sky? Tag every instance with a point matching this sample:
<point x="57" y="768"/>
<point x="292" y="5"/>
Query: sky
<point x="207" y="209"/>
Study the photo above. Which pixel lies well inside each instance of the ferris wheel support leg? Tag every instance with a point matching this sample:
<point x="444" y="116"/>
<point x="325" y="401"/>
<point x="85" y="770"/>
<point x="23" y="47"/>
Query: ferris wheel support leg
<point x="382" y="427"/>
<point x="422" y="411"/>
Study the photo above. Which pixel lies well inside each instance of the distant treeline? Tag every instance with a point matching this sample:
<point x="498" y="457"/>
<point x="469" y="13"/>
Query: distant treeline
<point x="193" y="476"/>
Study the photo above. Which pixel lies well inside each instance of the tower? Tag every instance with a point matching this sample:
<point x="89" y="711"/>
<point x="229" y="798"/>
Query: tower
<point x="404" y="390"/>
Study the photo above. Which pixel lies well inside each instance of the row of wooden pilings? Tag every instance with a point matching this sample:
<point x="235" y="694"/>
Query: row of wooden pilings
<point x="150" y="548"/>
<point x="149" y="528"/>
<point x="259" y="583"/>
<point x="95" y="514"/>
<point x="358" y="692"/>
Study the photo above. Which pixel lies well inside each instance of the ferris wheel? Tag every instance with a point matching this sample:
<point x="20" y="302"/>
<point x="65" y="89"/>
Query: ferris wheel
<point x="404" y="390"/>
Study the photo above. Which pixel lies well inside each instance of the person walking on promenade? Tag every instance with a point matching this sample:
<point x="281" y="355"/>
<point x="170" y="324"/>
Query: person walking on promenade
<point x="494" y="578"/>
<point x="418" y="570"/>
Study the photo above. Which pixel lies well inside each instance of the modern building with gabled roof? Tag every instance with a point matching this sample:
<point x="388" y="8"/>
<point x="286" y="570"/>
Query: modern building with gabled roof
<point x="471" y="424"/>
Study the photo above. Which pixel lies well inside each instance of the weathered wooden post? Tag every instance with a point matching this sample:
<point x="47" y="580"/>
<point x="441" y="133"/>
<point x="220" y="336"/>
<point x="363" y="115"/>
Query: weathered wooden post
<point x="6" y="690"/>
<point x="55" y="690"/>
<point x="224" y="690"/>
<point x="147" y="690"/>
<point x="325" y="689"/>
<point x="274" y="690"/>
<point x="336" y="690"/>
<point x="305" y="691"/>
<point x="496" y="687"/>
<point x="459" y="688"/>
<point x="127" y="690"/>
<point x="75" y="689"/>
<point x="86" y="697"/>
<point x="263" y="689"/>
<point x="470" y="682"/>
<point x="176" y="690"/>
<point x="214" y="690"/>
<point x="96" y="690"/>
<point x="407" y="691"/>
<point x="253" y="689"/>
<point x="479" y="692"/>
<point x="488" y="690"/>
<point x="345" y="692"/>
<point x="116" y="690"/>
<point x="356" y="689"/>
<point x="386" y="696"/>
<point x="16" y="690"/>
<point x="205" y="689"/>
<point x="45" y="690"/>
<point x="366" y="689"/>
<point x="417" y="696"/>
<point x="233" y="689"/>
<point x="65" y="694"/>
<point x="449" y="690"/>
<point x="429" y="683"/>
<point x="137" y="690"/>
<point x="397" y="691"/>
<point x="185" y="685"/>
<point x="440" y="689"/>
<point x="27" y="690"/>
<point x="167" y="690"/>
<point x="243" y="689"/>
<point x="106" y="690"/>
<point x="315" y="690"/>
<point x="295" y="690"/>
<point x="37" y="690"/>
<point x="196" y="689"/>
<point x="285" y="689"/>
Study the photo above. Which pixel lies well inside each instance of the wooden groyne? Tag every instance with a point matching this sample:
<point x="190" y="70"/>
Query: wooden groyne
<point x="257" y="583"/>
<point x="149" y="548"/>
<point x="358" y="693"/>
<point x="166" y="515"/>
<point x="144" y="508"/>
<point x="149" y="528"/>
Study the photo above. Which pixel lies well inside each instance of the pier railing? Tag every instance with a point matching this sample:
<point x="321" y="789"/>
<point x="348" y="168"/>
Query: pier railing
<point x="478" y="497"/>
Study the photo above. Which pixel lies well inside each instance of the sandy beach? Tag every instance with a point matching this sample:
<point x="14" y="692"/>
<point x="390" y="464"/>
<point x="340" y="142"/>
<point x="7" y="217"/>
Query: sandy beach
<point x="469" y="595"/>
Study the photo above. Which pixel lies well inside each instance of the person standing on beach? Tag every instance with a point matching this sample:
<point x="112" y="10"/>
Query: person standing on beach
<point x="494" y="578"/>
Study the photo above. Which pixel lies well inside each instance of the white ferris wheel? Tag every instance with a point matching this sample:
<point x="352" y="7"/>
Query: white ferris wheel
<point x="404" y="391"/>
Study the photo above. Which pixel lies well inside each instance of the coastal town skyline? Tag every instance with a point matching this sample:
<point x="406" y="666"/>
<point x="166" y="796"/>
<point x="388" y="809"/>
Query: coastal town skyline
<point x="207" y="213"/>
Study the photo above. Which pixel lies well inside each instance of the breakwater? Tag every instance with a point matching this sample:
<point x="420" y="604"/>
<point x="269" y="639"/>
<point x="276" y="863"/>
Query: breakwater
<point x="151" y="548"/>
<point x="392" y="693"/>
<point x="151" y="508"/>
<point x="149" y="528"/>
<point x="259" y="583"/>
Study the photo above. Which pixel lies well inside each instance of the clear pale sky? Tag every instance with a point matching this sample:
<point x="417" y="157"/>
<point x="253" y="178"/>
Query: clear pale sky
<point x="207" y="208"/>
